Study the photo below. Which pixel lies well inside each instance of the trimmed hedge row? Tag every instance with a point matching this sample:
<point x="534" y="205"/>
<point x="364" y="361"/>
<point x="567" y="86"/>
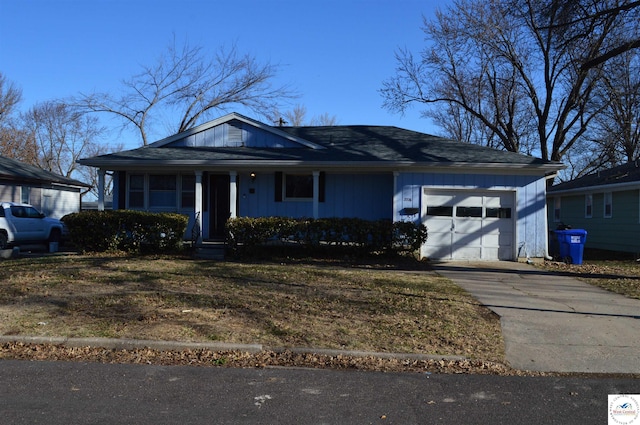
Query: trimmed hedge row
<point x="246" y="233"/>
<point x="124" y="230"/>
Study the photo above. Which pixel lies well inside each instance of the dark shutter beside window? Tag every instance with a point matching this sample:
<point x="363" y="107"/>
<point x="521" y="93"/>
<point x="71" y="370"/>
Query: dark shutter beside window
<point x="122" y="190"/>
<point x="278" y="186"/>
<point x="321" y="185"/>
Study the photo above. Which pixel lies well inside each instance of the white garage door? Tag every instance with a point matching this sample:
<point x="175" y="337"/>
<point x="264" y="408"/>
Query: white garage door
<point x="469" y="225"/>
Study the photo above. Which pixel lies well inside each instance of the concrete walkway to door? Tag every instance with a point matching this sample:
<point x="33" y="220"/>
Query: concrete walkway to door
<point x="551" y="322"/>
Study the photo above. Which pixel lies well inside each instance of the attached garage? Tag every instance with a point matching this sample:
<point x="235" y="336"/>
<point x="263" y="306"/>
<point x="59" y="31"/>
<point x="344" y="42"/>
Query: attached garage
<point x="469" y="224"/>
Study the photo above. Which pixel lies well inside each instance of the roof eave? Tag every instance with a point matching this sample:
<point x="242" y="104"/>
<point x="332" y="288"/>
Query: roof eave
<point x="398" y="165"/>
<point x="38" y="180"/>
<point x="613" y="187"/>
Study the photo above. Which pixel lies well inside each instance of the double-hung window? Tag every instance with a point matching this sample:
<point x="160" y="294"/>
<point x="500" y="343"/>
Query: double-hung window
<point x="136" y="191"/>
<point x="188" y="195"/>
<point x="608" y="205"/>
<point x="588" y="205"/>
<point x="162" y="191"/>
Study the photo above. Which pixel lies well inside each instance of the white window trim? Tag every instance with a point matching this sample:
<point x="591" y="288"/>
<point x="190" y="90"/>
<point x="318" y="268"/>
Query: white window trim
<point x="147" y="192"/>
<point x="588" y="201"/>
<point x="604" y="206"/>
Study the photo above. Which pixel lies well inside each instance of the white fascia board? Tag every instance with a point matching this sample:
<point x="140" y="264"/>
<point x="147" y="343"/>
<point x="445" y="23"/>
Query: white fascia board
<point x="230" y="117"/>
<point x="71" y="186"/>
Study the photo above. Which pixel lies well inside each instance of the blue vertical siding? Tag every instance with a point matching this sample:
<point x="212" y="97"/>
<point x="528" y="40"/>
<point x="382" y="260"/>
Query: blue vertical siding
<point x="366" y="196"/>
<point x="224" y="135"/>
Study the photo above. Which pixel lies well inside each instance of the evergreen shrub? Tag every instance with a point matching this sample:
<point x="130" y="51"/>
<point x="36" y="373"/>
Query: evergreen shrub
<point x="126" y="230"/>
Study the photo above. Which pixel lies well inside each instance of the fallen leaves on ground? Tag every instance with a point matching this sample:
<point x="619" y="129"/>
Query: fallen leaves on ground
<point x="263" y="359"/>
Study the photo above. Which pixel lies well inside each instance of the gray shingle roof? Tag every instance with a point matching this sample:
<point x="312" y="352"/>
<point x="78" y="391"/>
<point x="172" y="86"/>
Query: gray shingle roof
<point x="385" y="143"/>
<point x="623" y="174"/>
<point x="344" y="145"/>
<point x="10" y="169"/>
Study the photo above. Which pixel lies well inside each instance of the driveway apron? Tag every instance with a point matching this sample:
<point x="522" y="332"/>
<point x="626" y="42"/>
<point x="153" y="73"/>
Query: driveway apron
<point x="551" y="322"/>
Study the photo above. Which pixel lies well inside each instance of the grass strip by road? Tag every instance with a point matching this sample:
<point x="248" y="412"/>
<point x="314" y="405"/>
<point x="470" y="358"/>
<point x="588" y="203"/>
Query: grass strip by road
<point x="379" y="307"/>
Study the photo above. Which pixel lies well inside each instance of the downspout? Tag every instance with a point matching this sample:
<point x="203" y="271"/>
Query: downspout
<point x="233" y="194"/>
<point x="546" y="218"/>
<point x="316" y="194"/>
<point x="197" y="232"/>
<point x="101" y="187"/>
<point x="394" y="208"/>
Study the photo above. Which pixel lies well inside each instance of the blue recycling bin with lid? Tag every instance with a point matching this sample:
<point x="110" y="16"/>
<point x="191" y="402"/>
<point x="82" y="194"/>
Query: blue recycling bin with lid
<point x="571" y="243"/>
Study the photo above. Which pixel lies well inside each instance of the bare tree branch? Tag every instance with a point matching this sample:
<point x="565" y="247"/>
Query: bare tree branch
<point x="62" y="135"/>
<point x="188" y="86"/>
<point x="511" y="71"/>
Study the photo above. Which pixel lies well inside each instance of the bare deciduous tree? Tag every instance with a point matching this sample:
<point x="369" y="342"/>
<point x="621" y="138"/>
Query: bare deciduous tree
<point x="513" y="67"/>
<point x="191" y="86"/>
<point x="615" y="135"/>
<point x="298" y="117"/>
<point x="62" y="135"/>
<point x="619" y="124"/>
<point x="324" y="119"/>
<point x="14" y="141"/>
<point x="10" y="97"/>
<point x="577" y="18"/>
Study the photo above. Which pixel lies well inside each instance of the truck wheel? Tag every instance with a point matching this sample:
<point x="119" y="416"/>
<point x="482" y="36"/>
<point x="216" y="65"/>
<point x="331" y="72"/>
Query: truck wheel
<point x="4" y="240"/>
<point x="54" y="236"/>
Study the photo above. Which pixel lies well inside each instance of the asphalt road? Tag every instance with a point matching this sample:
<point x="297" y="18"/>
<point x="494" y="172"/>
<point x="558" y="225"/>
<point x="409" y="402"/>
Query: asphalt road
<point x="90" y="393"/>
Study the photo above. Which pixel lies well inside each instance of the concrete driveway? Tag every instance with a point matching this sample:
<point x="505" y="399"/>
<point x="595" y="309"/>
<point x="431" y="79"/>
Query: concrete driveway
<point x="554" y="323"/>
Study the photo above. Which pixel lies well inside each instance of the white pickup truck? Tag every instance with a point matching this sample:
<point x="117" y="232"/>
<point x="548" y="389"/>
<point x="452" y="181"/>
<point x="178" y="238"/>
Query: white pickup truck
<point x="23" y="224"/>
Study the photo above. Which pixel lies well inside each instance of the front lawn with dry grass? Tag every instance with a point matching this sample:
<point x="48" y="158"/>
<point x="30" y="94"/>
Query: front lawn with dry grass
<point x="368" y="307"/>
<point x="619" y="276"/>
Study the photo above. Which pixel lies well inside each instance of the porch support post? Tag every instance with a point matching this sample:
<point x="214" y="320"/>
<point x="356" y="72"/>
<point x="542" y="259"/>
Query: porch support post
<point x="316" y="194"/>
<point x="396" y="198"/>
<point x="233" y="194"/>
<point x="101" y="178"/>
<point x="197" y="224"/>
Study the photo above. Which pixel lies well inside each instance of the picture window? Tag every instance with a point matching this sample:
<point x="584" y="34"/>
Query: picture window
<point x="298" y="186"/>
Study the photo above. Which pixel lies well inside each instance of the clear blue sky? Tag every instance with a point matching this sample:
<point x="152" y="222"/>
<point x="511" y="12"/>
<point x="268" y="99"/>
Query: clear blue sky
<point x="334" y="53"/>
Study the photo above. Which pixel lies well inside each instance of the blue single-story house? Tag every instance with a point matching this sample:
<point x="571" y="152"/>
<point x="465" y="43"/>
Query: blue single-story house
<point x="606" y="204"/>
<point x="478" y="203"/>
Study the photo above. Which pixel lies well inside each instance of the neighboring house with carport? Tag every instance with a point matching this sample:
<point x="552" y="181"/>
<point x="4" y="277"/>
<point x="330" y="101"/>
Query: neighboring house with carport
<point x="606" y="204"/>
<point x="52" y="194"/>
<point x="477" y="202"/>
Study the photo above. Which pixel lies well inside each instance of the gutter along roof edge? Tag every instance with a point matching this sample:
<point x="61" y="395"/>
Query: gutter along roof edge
<point x="395" y="165"/>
